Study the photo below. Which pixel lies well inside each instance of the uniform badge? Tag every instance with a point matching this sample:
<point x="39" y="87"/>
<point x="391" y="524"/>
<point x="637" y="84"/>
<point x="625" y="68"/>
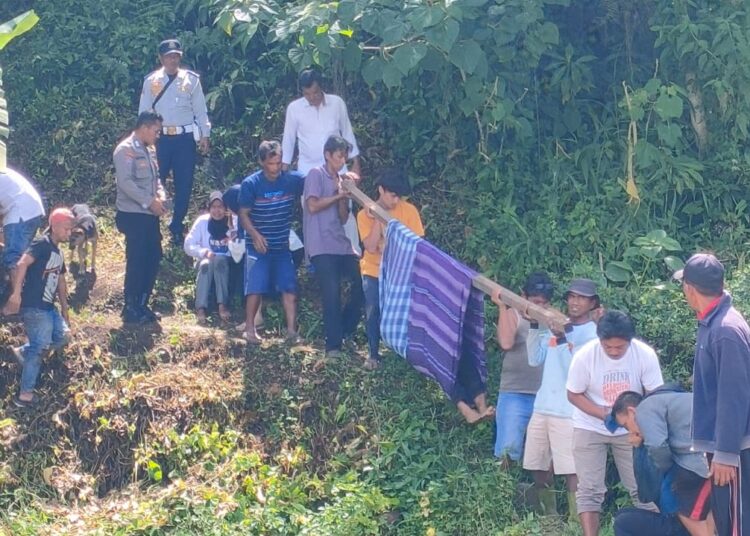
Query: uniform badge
<point x="155" y="86"/>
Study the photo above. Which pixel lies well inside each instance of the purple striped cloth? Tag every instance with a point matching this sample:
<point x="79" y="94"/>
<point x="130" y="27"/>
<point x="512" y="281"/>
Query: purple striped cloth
<point x="446" y="324"/>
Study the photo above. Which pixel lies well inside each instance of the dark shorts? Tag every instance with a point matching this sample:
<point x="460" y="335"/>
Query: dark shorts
<point x="639" y="522"/>
<point x="693" y="494"/>
<point x="270" y="272"/>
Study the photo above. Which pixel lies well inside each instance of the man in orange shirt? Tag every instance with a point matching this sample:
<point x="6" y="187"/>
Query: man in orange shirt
<point x="392" y="186"/>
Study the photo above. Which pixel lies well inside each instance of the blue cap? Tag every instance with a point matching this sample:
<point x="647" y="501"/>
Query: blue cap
<point x="611" y="424"/>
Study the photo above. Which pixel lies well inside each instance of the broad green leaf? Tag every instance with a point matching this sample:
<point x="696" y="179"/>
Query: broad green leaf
<point x="651" y="252"/>
<point x="391" y="75"/>
<point x="454" y="10"/>
<point x="16" y="26"/>
<point x="225" y="21"/>
<point x="549" y="33"/>
<point x="433" y="60"/>
<point x="670" y="244"/>
<point x="352" y="56"/>
<point x="372" y="71"/>
<point x="465" y="55"/>
<point x="498" y="111"/>
<point x="668" y="106"/>
<point x="154" y="471"/>
<point x="674" y="263"/>
<point x="408" y="56"/>
<point x="652" y="86"/>
<point x="618" y="272"/>
<point x="299" y="57"/>
<point x="443" y="35"/>
<point x="657" y="234"/>
<point x="347" y="11"/>
<point x="669" y="133"/>
<point x="434" y="15"/>
<point x="393" y="32"/>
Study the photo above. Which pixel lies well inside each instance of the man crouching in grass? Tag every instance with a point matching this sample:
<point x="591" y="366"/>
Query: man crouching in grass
<point x="659" y="428"/>
<point x="38" y="278"/>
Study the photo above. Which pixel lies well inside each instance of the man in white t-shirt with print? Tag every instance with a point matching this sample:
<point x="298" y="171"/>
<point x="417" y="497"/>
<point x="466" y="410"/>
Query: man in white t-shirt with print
<point x="613" y="363"/>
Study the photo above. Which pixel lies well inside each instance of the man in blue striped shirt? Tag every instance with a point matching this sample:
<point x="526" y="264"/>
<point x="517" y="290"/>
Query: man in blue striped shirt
<point x="266" y="201"/>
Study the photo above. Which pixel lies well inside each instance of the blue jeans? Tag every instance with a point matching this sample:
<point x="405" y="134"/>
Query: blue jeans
<point x="18" y="236"/>
<point x="45" y="329"/>
<point x="370" y="286"/>
<point x="512" y="416"/>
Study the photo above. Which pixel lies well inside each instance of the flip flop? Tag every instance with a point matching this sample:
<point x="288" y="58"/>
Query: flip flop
<point x="24" y="404"/>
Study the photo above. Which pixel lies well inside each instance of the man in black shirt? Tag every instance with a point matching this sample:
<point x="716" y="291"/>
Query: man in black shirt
<point x="38" y="278"/>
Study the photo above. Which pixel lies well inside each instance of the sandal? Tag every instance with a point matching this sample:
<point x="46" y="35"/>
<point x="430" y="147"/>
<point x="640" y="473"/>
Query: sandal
<point x="24" y="404"/>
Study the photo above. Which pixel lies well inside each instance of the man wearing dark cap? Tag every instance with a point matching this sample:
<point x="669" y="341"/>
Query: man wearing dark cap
<point x="393" y="186"/>
<point x="176" y="94"/>
<point x="549" y="437"/>
<point x="721" y="386"/>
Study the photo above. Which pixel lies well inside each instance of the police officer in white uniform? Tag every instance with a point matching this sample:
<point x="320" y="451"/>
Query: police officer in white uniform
<point x="176" y="94"/>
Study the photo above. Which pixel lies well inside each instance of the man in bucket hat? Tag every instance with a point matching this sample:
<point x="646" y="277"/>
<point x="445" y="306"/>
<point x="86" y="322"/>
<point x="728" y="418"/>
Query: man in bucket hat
<point x="721" y="399"/>
<point x="549" y="437"/>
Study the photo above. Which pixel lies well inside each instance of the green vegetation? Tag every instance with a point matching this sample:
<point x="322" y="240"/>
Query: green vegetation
<point x="598" y="138"/>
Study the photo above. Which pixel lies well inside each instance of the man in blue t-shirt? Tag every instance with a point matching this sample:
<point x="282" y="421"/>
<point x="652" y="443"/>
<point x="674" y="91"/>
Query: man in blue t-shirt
<point x="266" y="201"/>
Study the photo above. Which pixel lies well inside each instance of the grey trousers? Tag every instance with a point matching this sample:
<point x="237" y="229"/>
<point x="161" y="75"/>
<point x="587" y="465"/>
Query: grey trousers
<point x="590" y="455"/>
<point x="216" y="271"/>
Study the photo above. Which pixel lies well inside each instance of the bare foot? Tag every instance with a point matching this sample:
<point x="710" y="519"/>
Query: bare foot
<point x="252" y="338"/>
<point x="474" y="416"/>
<point x="201" y="316"/>
<point x="224" y="313"/>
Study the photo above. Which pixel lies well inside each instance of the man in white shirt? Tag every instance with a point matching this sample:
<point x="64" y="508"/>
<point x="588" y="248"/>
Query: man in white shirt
<point x="21" y="212"/>
<point x="602" y="369"/>
<point x="310" y="121"/>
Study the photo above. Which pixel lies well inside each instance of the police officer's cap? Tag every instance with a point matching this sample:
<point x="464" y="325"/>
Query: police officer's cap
<point x="168" y="46"/>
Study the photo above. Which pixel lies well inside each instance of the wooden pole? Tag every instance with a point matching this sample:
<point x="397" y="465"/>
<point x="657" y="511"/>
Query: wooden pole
<point x="549" y="317"/>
